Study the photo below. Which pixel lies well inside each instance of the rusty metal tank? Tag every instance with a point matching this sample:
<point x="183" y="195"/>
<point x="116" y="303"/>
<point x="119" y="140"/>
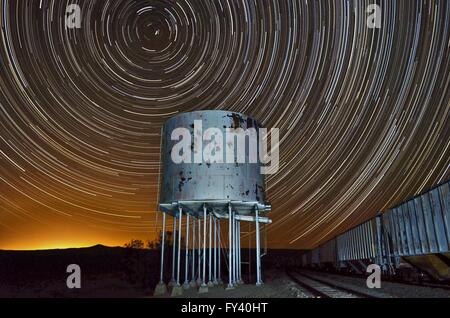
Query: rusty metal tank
<point x="195" y="182"/>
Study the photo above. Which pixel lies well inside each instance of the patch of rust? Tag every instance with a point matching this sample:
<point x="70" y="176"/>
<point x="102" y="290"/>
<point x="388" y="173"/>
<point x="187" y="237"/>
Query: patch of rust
<point x="238" y="121"/>
<point x="183" y="181"/>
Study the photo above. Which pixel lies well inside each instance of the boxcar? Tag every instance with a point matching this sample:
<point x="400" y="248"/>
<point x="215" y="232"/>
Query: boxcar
<point x="328" y="255"/>
<point x="315" y="258"/>
<point x="420" y="225"/>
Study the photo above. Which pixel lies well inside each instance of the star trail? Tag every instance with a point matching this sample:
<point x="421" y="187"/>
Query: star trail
<point x="363" y="112"/>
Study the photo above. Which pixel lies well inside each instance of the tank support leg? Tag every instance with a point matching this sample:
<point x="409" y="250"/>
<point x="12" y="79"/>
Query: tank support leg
<point x="179" y="245"/>
<point x="210" y="278"/>
<point x="234" y="250"/>
<point x="215" y="252"/>
<point x="177" y="290"/>
<point x="258" y="249"/>
<point x="237" y="251"/>
<point x="199" y="258"/>
<point x="240" y="281"/>
<point x="193" y="254"/>
<point x="238" y="234"/>
<point x="186" y="265"/>
<point x="204" y="287"/>
<point x="219" y="256"/>
<point x="161" y="288"/>
<point x="240" y="256"/>
<point x="174" y="244"/>
<point x="230" y="248"/>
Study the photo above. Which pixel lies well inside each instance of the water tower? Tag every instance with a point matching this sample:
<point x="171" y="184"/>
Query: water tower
<point x="211" y="174"/>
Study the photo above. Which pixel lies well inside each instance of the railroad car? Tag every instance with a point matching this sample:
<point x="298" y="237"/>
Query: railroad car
<point x="411" y="239"/>
<point x="315" y="257"/>
<point x="328" y="254"/>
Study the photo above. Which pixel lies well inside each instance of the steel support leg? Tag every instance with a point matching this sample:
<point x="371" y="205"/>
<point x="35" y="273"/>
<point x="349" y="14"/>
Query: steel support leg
<point x="193" y="253"/>
<point x="240" y="281"/>
<point x="163" y="240"/>
<point x="215" y="252"/>
<point x="179" y="245"/>
<point x="186" y="264"/>
<point x="204" y="287"/>
<point x="177" y="290"/>
<point x="235" y="249"/>
<point x="230" y="248"/>
<point x="174" y="244"/>
<point x="161" y="288"/>
<point x="219" y="257"/>
<point x="210" y="278"/>
<point x="199" y="258"/>
<point x="258" y="250"/>
<point x="204" y="246"/>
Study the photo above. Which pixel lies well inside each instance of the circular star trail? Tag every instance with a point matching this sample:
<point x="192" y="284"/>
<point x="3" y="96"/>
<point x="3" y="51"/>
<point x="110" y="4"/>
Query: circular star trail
<point x="363" y="113"/>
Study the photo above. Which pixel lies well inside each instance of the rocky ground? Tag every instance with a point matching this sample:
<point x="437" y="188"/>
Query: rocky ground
<point x="277" y="285"/>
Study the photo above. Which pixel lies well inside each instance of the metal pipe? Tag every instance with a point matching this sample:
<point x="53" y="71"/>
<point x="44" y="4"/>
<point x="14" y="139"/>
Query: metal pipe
<point x="193" y="251"/>
<point x="186" y="265"/>
<point x="230" y="284"/>
<point x="219" y="258"/>
<point x="245" y="218"/>
<point x="210" y="280"/>
<point x="236" y="252"/>
<point x="204" y="246"/>
<point x="179" y="244"/>
<point x="161" y="276"/>
<point x="239" y="252"/>
<point x="233" y="264"/>
<point x="199" y="274"/>
<point x="215" y="251"/>
<point x="265" y="241"/>
<point x="258" y="251"/>
<point x="174" y="244"/>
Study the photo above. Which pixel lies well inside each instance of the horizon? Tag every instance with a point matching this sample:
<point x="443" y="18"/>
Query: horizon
<point x="118" y="246"/>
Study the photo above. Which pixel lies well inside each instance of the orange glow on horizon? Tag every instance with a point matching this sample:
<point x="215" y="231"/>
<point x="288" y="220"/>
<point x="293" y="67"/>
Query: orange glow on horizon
<point x="65" y="237"/>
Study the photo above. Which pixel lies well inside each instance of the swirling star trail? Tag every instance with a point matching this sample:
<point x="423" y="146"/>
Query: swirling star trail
<point x="363" y="112"/>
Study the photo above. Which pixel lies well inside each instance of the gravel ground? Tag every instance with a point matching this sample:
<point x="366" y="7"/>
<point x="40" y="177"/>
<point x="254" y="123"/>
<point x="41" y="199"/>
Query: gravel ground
<point x="277" y="285"/>
<point x="388" y="289"/>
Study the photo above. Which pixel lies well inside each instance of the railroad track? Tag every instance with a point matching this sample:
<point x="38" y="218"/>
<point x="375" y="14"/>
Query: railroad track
<point x="387" y="279"/>
<point x="319" y="288"/>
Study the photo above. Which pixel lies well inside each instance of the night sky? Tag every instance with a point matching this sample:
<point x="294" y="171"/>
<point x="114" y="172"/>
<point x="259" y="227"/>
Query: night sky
<point x="363" y="113"/>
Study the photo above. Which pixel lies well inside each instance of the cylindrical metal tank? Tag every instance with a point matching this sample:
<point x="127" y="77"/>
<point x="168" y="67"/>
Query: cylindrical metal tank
<point x="197" y="181"/>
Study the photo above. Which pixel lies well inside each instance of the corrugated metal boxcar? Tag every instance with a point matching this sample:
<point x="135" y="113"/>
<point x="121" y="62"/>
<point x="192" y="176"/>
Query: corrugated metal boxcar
<point x="304" y="260"/>
<point x="328" y="253"/>
<point x="315" y="257"/>
<point x="421" y="225"/>
<point x="359" y="243"/>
